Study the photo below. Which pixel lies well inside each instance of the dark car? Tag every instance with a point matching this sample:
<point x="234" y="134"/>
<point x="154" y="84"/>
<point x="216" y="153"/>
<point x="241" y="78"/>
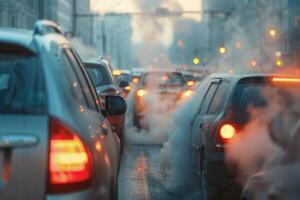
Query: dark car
<point x="54" y="141"/>
<point x="169" y="85"/>
<point x="106" y="84"/>
<point x="124" y="80"/>
<point x="225" y="101"/>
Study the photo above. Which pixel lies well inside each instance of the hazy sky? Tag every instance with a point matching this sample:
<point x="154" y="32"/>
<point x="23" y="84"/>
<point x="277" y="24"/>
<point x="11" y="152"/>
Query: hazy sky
<point x="129" y="6"/>
<point x="165" y="36"/>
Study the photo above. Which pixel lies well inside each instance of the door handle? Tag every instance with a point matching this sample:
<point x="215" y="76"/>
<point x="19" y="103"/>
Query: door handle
<point x="10" y="141"/>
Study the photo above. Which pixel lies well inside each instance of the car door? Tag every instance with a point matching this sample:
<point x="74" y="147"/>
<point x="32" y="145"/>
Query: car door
<point x="205" y="125"/>
<point x="23" y="125"/>
<point x="111" y="144"/>
<point x="198" y="124"/>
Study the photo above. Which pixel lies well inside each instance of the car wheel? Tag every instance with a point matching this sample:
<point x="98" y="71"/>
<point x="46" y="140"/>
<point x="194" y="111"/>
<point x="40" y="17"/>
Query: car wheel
<point x="203" y="179"/>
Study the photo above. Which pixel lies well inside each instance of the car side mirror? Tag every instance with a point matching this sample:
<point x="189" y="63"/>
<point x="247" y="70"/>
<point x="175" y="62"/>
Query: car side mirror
<point x="115" y="105"/>
<point x="123" y="84"/>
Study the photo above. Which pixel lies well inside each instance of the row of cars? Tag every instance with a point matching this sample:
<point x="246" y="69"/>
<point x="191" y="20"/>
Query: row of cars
<point x="58" y="138"/>
<point x="222" y="106"/>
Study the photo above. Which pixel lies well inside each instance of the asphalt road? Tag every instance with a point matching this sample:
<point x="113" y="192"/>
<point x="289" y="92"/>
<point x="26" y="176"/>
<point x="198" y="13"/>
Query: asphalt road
<point x="141" y="177"/>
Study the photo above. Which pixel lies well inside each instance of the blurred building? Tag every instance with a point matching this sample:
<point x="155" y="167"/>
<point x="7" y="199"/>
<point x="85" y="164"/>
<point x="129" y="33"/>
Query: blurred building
<point x="272" y="31"/>
<point x="112" y="37"/>
<point x="217" y="13"/>
<point x="83" y="27"/>
<point x="189" y="42"/>
<point x="19" y="13"/>
<point x="60" y="11"/>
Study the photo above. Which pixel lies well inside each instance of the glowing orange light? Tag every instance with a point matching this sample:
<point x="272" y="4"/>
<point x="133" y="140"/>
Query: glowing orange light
<point x="117" y="72"/>
<point x="273" y="32"/>
<point x="227" y="131"/>
<point x="98" y="146"/>
<point x="135" y="80"/>
<point x="196" y="61"/>
<point x="292" y="80"/>
<point x="127" y="88"/>
<point x="141" y="92"/>
<point x="67" y="159"/>
<point x="190" y="83"/>
<point x="188" y="93"/>
<point x="165" y="77"/>
<point x="238" y="45"/>
<point x="279" y="63"/>
<point x="253" y="63"/>
<point x="222" y="50"/>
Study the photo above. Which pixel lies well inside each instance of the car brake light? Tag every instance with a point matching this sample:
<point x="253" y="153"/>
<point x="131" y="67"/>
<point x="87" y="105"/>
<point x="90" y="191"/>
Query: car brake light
<point x="188" y="93"/>
<point x="141" y="92"/>
<point x="127" y="88"/>
<point x="190" y="83"/>
<point x="135" y="80"/>
<point x="69" y="159"/>
<point x="227" y="131"/>
<point x="285" y="79"/>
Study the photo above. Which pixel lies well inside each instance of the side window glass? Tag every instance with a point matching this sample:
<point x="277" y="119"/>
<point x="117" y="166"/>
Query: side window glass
<point x="82" y="80"/>
<point x="208" y="97"/>
<point x="91" y="86"/>
<point x="219" y="99"/>
<point x="70" y="81"/>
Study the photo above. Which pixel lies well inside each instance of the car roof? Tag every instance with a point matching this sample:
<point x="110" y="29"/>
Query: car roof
<point x="26" y="38"/>
<point x="236" y="77"/>
<point x="19" y="37"/>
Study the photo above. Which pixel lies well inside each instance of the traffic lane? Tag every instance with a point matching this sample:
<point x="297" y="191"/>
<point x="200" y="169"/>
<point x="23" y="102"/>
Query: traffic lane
<point x="140" y="175"/>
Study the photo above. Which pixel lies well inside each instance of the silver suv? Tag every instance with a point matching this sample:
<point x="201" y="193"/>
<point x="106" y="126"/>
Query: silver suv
<point x="55" y="142"/>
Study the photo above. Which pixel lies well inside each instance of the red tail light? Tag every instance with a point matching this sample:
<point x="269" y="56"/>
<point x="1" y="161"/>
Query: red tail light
<point x="227" y="131"/>
<point x="140" y="92"/>
<point x="70" y="163"/>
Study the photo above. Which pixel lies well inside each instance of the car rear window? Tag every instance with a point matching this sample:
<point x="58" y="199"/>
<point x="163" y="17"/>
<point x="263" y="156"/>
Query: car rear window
<point x="99" y="76"/>
<point x="22" y="88"/>
<point x="164" y="78"/>
<point x="259" y="95"/>
<point x="124" y="77"/>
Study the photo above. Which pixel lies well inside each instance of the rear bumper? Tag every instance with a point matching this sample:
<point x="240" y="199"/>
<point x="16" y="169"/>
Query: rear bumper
<point x="88" y="194"/>
<point x="221" y="176"/>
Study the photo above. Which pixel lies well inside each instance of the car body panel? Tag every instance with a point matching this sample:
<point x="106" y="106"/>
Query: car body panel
<point x="86" y="121"/>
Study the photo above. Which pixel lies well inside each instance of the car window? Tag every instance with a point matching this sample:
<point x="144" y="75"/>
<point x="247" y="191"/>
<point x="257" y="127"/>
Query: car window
<point x="92" y="89"/>
<point x="208" y="97"/>
<point x="82" y="80"/>
<point x="70" y="80"/>
<point x="99" y="76"/>
<point x="219" y="98"/>
<point x="22" y="88"/>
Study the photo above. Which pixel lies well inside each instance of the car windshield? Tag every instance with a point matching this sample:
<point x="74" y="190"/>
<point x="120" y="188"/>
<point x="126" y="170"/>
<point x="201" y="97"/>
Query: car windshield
<point x="99" y="76"/>
<point x="164" y="79"/>
<point x="21" y="85"/>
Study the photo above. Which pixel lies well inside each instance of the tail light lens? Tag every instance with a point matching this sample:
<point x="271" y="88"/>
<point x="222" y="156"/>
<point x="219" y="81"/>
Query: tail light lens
<point x="135" y="80"/>
<point x="127" y="88"/>
<point x="227" y="131"/>
<point x="140" y="92"/>
<point x="188" y="93"/>
<point x="70" y="165"/>
<point x="190" y="83"/>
